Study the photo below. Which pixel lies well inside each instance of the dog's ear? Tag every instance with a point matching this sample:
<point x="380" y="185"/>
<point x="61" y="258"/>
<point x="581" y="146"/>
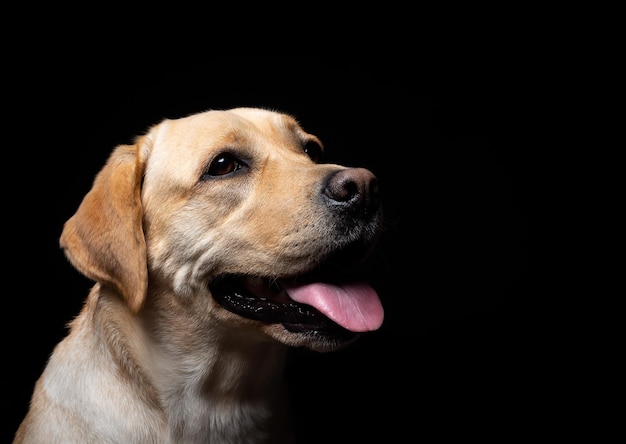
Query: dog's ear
<point x="104" y="239"/>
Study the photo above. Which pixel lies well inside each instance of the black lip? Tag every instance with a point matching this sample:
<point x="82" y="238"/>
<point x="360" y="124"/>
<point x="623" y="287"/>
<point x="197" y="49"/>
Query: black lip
<point x="230" y="292"/>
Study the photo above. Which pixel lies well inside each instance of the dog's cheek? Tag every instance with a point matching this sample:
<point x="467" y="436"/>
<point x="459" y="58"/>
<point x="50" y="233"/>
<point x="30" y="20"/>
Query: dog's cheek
<point x="273" y="247"/>
<point x="289" y="226"/>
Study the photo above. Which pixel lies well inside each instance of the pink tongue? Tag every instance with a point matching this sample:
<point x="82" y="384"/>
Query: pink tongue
<point x="354" y="306"/>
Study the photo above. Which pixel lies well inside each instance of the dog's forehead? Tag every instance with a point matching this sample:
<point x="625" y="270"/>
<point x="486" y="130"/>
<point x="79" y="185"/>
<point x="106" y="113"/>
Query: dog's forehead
<point x="223" y="126"/>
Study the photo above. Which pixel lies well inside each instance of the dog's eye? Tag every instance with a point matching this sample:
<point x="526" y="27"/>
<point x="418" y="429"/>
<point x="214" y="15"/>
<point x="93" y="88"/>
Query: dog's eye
<point x="313" y="150"/>
<point x="223" y="164"/>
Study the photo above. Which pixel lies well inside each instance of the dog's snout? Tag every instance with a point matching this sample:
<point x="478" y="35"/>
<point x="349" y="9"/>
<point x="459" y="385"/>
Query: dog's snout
<point x="356" y="188"/>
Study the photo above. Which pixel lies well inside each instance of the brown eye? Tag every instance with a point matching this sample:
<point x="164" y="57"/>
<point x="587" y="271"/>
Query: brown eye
<point x="313" y="150"/>
<point x="222" y="165"/>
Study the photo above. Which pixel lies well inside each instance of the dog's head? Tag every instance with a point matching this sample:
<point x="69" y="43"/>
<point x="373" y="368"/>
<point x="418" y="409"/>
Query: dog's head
<point x="231" y="214"/>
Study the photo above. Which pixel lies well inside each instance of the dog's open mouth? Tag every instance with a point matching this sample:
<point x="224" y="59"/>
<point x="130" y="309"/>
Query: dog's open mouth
<point x="322" y="302"/>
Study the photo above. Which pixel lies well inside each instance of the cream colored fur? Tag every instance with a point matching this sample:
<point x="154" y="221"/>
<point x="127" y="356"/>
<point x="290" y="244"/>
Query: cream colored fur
<point x="152" y="358"/>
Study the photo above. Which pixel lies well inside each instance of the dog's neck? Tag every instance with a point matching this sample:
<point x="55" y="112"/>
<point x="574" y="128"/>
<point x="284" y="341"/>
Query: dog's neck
<point x="227" y="379"/>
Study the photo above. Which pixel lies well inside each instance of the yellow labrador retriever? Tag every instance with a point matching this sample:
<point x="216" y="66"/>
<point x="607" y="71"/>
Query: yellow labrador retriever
<point x="216" y="241"/>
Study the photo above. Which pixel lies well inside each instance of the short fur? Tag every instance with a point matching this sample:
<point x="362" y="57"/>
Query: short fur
<point x="153" y="357"/>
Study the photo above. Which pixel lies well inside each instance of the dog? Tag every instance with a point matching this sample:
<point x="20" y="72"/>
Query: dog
<point x="216" y="242"/>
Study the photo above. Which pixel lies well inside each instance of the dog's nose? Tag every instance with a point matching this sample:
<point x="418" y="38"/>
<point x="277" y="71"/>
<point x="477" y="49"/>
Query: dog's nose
<point x="354" y="188"/>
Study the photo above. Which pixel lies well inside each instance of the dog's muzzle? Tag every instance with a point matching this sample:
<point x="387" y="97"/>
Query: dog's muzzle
<point x="332" y="298"/>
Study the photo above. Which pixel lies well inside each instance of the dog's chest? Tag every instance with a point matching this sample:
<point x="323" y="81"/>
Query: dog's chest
<point x="221" y="422"/>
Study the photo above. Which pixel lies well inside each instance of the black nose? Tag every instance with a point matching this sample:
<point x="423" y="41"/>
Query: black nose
<point x="354" y="189"/>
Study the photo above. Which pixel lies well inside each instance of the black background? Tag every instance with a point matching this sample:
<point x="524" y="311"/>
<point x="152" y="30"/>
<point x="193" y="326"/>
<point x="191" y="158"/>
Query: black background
<point x="463" y="349"/>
